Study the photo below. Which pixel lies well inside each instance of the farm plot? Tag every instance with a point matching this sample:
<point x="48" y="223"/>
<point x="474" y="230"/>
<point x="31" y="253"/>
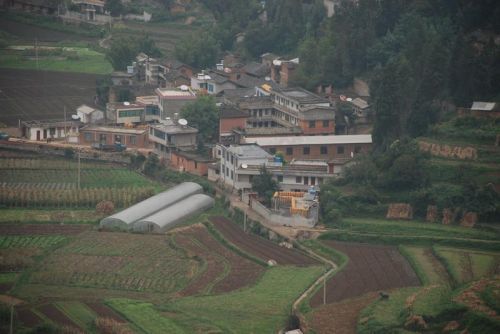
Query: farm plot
<point x="27" y="94"/>
<point x="370" y="268"/>
<point x="48" y="229"/>
<point x="225" y="271"/>
<point x="466" y="265"/>
<point x="51" y="312"/>
<point x="117" y="261"/>
<point x="259" y="247"/>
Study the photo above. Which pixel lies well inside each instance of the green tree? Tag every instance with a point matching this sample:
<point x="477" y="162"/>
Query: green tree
<point x="203" y="115"/>
<point x="124" y="50"/>
<point x="115" y="7"/>
<point x="198" y="50"/>
<point x="265" y="186"/>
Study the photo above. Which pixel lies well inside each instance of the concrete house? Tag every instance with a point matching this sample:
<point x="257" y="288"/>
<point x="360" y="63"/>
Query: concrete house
<point x="46" y="130"/>
<point x="89" y="114"/>
<point x="168" y="136"/>
<point x="212" y="82"/>
<point x="107" y="135"/>
<point x="171" y="101"/>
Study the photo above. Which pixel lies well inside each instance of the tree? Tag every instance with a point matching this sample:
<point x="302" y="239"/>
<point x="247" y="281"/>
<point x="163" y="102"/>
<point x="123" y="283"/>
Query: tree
<point x="265" y="186"/>
<point x="198" y="50"/>
<point x="115" y="7"/>
<point x="124" y="50"/>
<point x="203" y="115"/>
<point x="102" y="89"/>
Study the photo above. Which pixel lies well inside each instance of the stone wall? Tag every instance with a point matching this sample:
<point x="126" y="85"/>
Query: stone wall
<point x="449" y="151"/>
<point x="399" y="211"/>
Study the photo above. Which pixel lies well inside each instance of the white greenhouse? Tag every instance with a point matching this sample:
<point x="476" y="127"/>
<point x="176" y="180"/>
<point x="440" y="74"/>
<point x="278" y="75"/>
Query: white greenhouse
<point x="125" y="218"/>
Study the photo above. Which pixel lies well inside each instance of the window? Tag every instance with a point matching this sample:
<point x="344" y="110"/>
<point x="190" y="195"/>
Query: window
<point x="227" y="156"/>
<point x="87" y="136"/>
<point x="298" y="179"/>
<point x="210" y="88"/>
<point x="195" y="165"/>
<point x="280" y="178"/>
<point x="102" y="138"/>
<point x="227" y="171"/>
<point x="313" y="180"/>
<point x="130" y="113"/>
<point x="272" y="150"/>
<point x="326" y="123"/>
<point x="357" y="149"/>
<point x="159" y="134"/>
<point x="232" y="160"/>
<point x="323" y="150"/>
<point x="306" y="180"/>
<point x="340" y="149"/>
<point x="232" y="175"/>
<point x="320" y="180"/>
<point x="118" y="139"/>
<point x="306" y="150"/>
<point x="289" y="151"/>
<point x="312" y="124"/>
<point x="133" y="140"/>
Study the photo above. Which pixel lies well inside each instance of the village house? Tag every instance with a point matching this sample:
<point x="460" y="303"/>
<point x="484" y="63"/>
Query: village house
<point x="88" y="114"/>
<point x="171" y="101"/>
<point x="481" y="110"/>
<point x="361" y="110"/>
<point x="169" y="136"/>
<point x="213" y="82"/>
<point x="230" y="118"/>
<point x="336" y="151"/>
<point x="90" y="8"/>
<point x="107" y="135"/>
<point x="46" y="7"/>
<point x="190" y="162"/>
<point x="125" y="113"/>
<point x="46" y="130"/>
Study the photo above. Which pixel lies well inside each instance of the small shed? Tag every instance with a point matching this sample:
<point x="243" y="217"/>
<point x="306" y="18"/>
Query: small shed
<point x="88" y="114"/>
<point x="174" y="214"/>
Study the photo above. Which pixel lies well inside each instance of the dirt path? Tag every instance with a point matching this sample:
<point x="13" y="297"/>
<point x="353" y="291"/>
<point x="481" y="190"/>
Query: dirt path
<point x="341" y="317"/>
<point x="438" y="267"/>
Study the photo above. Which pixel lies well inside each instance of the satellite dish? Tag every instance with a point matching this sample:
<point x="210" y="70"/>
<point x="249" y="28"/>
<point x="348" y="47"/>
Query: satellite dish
<point x="126" y="103"/>
<point x="75" y="117"/>
<point x="184" y="88"/>
<point x="244" y="166"/>
<point x="183" y="122"/>
<point x="349" y="99"/>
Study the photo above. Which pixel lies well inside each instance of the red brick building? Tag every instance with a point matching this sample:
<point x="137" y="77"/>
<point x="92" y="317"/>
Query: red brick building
<point x="131" y="138"/>
<point x="231" y="118"/>
<point x="189" y="162"/>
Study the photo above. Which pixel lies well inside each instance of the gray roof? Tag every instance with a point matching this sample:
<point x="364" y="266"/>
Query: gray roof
<point x="256" y="69"/>
<point x="249" y="151"/>
<point x="168" y="126"/>
<point x="483" y="106"/>
<point x="174" y="214"/>
<point x="125" y="218"/>
<point x="301" y="95"/>
<point x="227" y="111"/>
<point x="360" y="103"/>
<point x="311" y="140"/>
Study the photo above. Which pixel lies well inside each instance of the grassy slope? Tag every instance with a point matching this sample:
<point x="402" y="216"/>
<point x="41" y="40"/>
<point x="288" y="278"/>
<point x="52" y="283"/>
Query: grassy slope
<point x="259" y="309"/>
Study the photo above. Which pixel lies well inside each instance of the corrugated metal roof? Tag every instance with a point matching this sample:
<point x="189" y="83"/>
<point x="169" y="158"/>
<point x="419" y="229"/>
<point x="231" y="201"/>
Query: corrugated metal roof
<point x="310" y="140"/>
<point x="484" y="106"/>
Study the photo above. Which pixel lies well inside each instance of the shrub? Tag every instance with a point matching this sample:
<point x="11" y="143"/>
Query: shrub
<point x="105" y="207"/>
<point x="69" y="152"/>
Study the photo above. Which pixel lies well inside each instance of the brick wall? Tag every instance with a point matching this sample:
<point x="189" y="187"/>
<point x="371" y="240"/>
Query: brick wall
<point x="318" y="127"/>
<point x="185" y="164"/>
<point x="227" y="124"/>
<point x="87" y="137"/>
<point x="333" y="151"/>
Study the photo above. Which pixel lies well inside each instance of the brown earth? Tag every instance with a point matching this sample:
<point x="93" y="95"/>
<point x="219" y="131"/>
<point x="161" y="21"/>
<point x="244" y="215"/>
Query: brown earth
<point x="242" y="272"/>
<point x="104" y="311"/>
<point x="341" y="317"/>
<point x="260" y="247"/>
<point x="55" y="315"/>
<point x="370" y="268"/>
<point x="5" y="287"/>
<point x="16" y="259"/>
<point x="36" y="95"/>
<point x="42" y="229"/>
<point x="27" y="317"/>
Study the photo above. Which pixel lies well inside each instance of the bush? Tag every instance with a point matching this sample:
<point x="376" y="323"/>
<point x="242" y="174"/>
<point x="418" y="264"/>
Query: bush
<point x="69" y="152"/>
<point x="105" y="207"/>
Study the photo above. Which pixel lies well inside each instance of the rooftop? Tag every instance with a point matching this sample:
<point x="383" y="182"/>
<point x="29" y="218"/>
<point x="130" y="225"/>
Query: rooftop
<point x="249" y="151"/>
<point x="360" y="103"/>
<point x="125" y="105"/>
<point x="50" y="123"/>
<point x="86" y="109"/>
<point x="310" y="140"/>
<point x="175" y="93"/>
<point x="301" y="95"/>
<point x="256" y="69"/>
<point x="112" y="129"/>
<point x="169" y="126"/>
<point x="150" y="99"/>
<point x="231" y="112"/>
<point x="483" y="106"/>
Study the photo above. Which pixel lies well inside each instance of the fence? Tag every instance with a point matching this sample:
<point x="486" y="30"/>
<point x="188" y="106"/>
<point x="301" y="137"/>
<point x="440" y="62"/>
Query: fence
<point x="277" y="219"/>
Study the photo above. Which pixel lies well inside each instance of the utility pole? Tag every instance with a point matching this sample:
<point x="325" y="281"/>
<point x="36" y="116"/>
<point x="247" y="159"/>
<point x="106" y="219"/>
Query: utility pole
<point x="36" y="52"/>
<point x="324" y="289"/>
<point x="78" y="170"/>
<point x="245" y="220"/>
<point x="65" y="125"/>
<point x="11" y="331"/>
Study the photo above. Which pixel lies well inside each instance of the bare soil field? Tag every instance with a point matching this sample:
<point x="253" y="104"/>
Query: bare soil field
<point x="342" y="316"/>
<point x="370" y="268"/>
<point x="42" y="229"/>
<point x="219" y="259"/>
<point x="4" y="287"/>
<point x="104" y="311"/>
<point x="55" y="315"/>
<point x="30" y="32"/>
<point x="27" y="317"/>
<point x="37" y="95"/>
<point x="260" y="247"/>
<point x="16" y="259"/>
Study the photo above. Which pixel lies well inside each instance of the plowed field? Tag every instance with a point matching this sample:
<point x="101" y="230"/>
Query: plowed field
<point x="370" y="268"/>
<point x="27" y="317"/>
<point x="36" y="95"/>
<point x="45" y="229"/>
<point x="55" y="315"/>
<point x="225" y="271"/>
<point x="103" y="311"/>
<point x="260" y="247"/>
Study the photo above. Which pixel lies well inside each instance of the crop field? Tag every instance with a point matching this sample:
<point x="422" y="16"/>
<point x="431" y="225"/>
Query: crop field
<point x="117" y="261"/>
<point x="370" y="268"/>
<point x="36" y="217"/>
<point x="225" y="270"/>
<point x="37" y="95"/>
<point x="467" y="265"/>
<point x="260" y="247"/>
